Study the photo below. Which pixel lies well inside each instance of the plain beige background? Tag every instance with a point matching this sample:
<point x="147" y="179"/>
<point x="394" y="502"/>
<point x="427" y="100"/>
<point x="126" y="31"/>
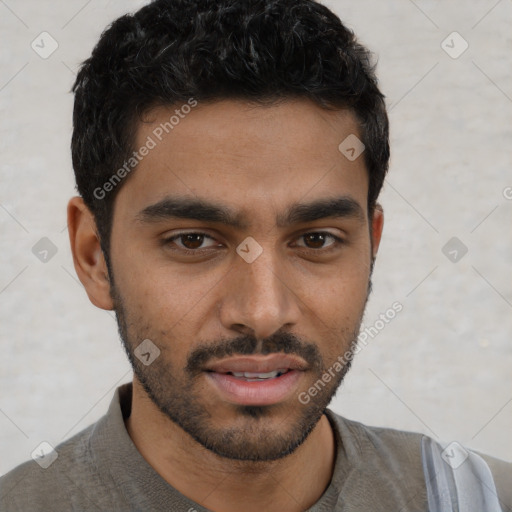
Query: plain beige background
<point x="442" y="366"/>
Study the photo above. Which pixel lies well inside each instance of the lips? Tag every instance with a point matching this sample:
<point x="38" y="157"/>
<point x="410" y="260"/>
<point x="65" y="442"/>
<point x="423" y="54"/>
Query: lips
<point x="258" y="364"/>
<point x="256" y="380"/>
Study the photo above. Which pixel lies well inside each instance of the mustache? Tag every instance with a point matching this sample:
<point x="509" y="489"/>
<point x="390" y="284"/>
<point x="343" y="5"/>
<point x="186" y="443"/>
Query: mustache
<point x="280" y="342"/>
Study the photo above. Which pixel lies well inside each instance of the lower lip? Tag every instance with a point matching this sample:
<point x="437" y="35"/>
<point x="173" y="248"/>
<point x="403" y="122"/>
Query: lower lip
<point x="265" y="392"/>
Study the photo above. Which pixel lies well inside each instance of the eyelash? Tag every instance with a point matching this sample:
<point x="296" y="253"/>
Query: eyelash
<point x="337" y="242"/>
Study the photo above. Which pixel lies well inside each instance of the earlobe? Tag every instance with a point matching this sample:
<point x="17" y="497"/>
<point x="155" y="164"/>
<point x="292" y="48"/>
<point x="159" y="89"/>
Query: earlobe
<point x="88" y="258"/>
<point x="377" y="227"/>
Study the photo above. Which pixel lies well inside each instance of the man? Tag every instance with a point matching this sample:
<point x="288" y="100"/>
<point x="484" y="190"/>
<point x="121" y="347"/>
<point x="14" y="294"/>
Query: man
<point x="229" y="156"/>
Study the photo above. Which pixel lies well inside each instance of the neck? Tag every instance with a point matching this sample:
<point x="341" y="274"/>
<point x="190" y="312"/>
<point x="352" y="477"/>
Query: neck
<point x="221" y="484"/>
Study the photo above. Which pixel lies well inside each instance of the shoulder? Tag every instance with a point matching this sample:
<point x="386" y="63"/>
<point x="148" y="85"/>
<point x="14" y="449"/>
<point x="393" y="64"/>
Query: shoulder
<point x="502" y="474"/>
<point x="53" y="480"/>
<point x="394" y="446"/>
<point x="384" y="467"/>
<point x="427" y="465"/>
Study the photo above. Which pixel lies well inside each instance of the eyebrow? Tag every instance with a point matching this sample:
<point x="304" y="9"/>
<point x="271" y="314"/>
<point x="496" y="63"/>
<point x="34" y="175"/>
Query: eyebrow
<point x="202" y="210"/>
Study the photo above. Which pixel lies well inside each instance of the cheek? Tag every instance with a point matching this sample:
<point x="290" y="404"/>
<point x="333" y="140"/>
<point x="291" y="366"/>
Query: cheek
<point x="155" y="288"/>
<point x="345" y="287"/>
<point x="167" y="296"/>
<point x="167" y="307"/>
<point x="340" y="309"/>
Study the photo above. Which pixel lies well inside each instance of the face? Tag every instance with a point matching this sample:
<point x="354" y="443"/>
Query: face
<point x="241" y="247"/>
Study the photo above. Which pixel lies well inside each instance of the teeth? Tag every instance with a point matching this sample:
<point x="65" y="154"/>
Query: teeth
<point x="268" y="375"/>
<point x="254" y="377"/>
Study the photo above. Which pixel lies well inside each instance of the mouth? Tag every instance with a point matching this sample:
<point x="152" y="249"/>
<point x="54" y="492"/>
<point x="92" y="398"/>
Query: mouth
<point x="258" y="376"/>
<point x="256" y="380"/>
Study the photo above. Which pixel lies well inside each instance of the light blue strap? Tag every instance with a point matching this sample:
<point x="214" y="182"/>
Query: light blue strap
<point x="457" y="479"/>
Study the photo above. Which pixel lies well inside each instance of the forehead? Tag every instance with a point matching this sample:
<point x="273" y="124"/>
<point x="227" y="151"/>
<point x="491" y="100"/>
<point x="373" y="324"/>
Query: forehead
<point x="245" y="155"/>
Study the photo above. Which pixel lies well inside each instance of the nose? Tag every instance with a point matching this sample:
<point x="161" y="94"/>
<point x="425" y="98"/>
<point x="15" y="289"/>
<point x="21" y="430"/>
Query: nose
<point x="259" y="298"/>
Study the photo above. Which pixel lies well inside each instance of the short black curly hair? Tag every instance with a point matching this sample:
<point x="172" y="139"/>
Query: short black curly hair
<point x="171" y="51"/>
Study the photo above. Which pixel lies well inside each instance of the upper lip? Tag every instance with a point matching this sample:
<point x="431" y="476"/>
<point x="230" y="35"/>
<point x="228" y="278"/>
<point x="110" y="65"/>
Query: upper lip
<point x="257" y="364"/>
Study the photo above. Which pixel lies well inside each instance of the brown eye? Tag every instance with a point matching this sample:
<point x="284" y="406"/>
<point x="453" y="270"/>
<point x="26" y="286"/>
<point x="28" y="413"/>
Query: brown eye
<point x="320" y="240"/>
<point x="315" y="240"/>
<point x="192" y="240"/>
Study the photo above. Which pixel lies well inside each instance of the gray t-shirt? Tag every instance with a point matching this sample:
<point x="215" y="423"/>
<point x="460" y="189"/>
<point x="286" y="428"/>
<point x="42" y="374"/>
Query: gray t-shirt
<point x="100" y="469"/>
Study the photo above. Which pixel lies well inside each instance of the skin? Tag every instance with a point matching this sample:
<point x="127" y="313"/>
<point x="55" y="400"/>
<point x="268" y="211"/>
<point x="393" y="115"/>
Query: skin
<point x="257" y="161"/>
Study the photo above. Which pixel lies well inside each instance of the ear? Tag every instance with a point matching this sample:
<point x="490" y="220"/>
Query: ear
<point x="377" y="227"/>
<point x="88" y="258"/>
